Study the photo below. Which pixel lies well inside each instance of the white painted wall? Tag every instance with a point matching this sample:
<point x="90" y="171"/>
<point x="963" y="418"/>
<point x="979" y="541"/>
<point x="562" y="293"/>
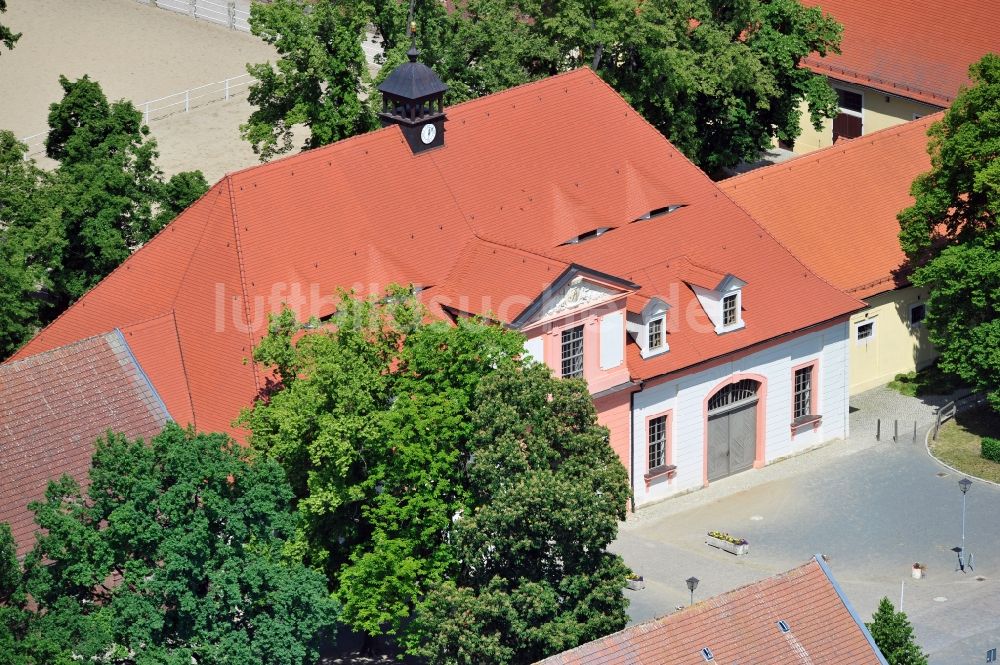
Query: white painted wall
<point x="686" y="395"/>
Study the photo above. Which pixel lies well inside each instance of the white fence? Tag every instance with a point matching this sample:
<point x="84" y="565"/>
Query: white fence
<point x="234" y="14"/>
<point x="179" y="102"/>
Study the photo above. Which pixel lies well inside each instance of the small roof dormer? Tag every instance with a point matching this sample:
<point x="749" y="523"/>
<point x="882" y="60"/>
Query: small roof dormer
<point x="413" y="98"/>
<point x="720" y="295"/>
<point x="648" y="327"/>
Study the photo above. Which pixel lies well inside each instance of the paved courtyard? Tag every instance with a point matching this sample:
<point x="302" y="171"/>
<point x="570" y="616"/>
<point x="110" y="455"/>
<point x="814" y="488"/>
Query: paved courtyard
<point x="874" y="508"/>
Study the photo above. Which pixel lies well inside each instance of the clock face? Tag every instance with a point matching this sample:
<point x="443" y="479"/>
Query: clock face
<point x="428" y="133"/>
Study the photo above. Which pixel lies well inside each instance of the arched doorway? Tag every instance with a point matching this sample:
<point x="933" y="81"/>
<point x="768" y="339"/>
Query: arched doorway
<point x="732" y="428"/>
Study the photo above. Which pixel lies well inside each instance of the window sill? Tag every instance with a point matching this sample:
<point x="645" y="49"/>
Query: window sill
<point x="808" y="421"/>
<point x="665" y="471"/>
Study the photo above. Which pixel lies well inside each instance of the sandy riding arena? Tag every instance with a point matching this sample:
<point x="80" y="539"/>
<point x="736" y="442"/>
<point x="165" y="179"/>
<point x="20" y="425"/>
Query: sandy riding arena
<point x="137" y="52"/>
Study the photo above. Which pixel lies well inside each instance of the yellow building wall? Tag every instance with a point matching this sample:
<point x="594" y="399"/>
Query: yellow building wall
<point x="878" y="111"/>
<point x="896" y="347"/>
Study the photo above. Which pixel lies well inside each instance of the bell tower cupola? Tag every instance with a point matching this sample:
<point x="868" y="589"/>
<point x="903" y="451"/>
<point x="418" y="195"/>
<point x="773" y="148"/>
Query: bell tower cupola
<point x="413" y="98"/>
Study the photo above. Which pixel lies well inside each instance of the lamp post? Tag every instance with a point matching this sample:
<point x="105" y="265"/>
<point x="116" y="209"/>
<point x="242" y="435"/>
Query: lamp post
<point x="964" y="484"/>
<point x="692" y="583"/>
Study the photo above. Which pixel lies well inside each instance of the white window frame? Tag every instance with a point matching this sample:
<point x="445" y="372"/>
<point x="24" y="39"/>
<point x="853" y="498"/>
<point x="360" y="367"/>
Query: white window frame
<point x="870" y="338"/>
<point x="662" y="320"/>
<point x="735" y="299"/>
<point x="661" y="443"/>
<point x="805" y="393"/>
<point x="909" y="315"/>
<point x="562" y="351"/>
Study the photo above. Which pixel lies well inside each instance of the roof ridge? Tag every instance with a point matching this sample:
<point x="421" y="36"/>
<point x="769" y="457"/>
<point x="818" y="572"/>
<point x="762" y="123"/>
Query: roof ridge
<point x="117" y="335"/>
<point x="832" y="150"/>
<point x="358" y="137"/>
<point x="818" y="558"/>
<point x="184" y="371"/>
<point x="243" y="277"/>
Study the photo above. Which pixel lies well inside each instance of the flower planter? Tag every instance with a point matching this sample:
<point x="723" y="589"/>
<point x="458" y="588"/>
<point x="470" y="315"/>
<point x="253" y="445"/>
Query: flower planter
<point x="918" y="571"/>
<point x="725" y="545"/>
<point x="637" y="584"/>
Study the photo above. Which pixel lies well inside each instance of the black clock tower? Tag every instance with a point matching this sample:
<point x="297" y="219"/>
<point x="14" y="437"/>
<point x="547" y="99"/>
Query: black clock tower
<point x="413" y="98"/>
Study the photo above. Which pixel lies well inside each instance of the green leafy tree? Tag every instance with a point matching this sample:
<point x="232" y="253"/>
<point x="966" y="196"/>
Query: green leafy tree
<point x="31" y="243"/>
<point x="319" y="76"/>
<point x="378" y="420"/>
<point x="894" y="636"/>
<point x="952" y="237"/>
<point x="719" y="79"/>
<point x="110" y="192"/>
<point x="7" y="36"/>
<point x="105" y="184"/>
<point x="174" y="554"/>
<point x="535" y="577"/>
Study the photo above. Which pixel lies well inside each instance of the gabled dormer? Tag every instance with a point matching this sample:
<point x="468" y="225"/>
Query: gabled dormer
<point x="648" y="328"/>
<point x="720" y="295"/>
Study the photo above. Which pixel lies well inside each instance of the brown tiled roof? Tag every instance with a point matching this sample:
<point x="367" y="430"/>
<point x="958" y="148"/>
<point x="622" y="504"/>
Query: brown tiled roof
<point x="919" y="49"/>
<point x="54" y="405"/>
<point x="836" y="208"/>
<point x="741" y="626"/>
<point x="481" y="223"/>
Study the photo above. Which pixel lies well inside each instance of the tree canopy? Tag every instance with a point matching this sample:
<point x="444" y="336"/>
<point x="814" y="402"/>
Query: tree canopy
<point x="62" y="231"/>
<point x="952" y="237"/>
<point x="388" y="427"/>
<point x="893" y="635"/>
<point x="719" y="79"/>
<point x="174" y="554"/>
<point x="7" y="36"/>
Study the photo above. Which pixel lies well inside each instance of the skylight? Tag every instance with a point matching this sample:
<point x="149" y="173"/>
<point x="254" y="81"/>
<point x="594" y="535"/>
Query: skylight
<point x="576" y="240"/>
<point x="659" y="212"/>
<point x="783" y="626"/>
<point x="707" y="654"/>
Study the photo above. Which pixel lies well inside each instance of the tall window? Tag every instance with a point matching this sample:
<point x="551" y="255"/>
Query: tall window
<point x="655" y="334"/>
<point x="729" y="310"/>
<point x="803" y="392"/>
<point x="657" y="441"/>
<point x="848" y="123"/>
<point x="572" y="352"/>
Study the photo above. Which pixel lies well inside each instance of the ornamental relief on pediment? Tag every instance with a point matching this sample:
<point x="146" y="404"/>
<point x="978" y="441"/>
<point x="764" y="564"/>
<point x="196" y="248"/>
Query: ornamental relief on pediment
<point x="579" y="294"/>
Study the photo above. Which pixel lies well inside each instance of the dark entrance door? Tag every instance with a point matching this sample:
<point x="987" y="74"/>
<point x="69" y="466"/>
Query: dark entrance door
<point x="732" y="429"/>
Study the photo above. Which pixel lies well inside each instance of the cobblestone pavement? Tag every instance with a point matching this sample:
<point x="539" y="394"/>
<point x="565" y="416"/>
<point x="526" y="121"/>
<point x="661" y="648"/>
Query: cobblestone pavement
<point x="874" y="507"/>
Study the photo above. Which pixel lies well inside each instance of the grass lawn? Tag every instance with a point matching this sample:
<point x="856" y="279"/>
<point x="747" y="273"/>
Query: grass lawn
<point x="958" y="443"/>
<point x="929" y="381"/>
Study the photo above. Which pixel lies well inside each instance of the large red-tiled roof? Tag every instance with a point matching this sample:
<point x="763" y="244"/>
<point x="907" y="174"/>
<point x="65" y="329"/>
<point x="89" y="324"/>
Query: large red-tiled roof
<point x="54" y="406"/>
<point x="742" y="626"/>
<point x="920" y="49"/>
<point x="484" y="217"/>
<point x="836" y="208"/>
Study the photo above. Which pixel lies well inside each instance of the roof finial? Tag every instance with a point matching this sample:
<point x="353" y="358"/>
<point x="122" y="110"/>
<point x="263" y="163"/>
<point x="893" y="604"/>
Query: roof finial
<point x="412" y="29"/>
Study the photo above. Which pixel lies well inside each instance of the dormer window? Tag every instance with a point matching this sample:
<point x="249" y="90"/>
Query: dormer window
<point x="720" y="295"/>
<point x="655" y="335"/>
<point x="649" y="327"/>
<point x="729" y="310"/>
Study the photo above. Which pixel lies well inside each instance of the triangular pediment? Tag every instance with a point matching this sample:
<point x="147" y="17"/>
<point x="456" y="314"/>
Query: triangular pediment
<point x="577" y="289"/>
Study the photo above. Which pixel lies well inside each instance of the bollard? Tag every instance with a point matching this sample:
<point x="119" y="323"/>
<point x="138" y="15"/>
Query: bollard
<point x="914" y="431"/>
<point x="895" y="431"/>
<point x="878" y="429"/>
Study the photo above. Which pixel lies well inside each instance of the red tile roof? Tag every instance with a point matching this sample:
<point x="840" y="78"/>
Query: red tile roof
<point x="836" y="208"/>
<point x="479" y="221"/>
<point x="53" y="406"/>
<point x="919" y="49"/>
<point x="742" y="626"/>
